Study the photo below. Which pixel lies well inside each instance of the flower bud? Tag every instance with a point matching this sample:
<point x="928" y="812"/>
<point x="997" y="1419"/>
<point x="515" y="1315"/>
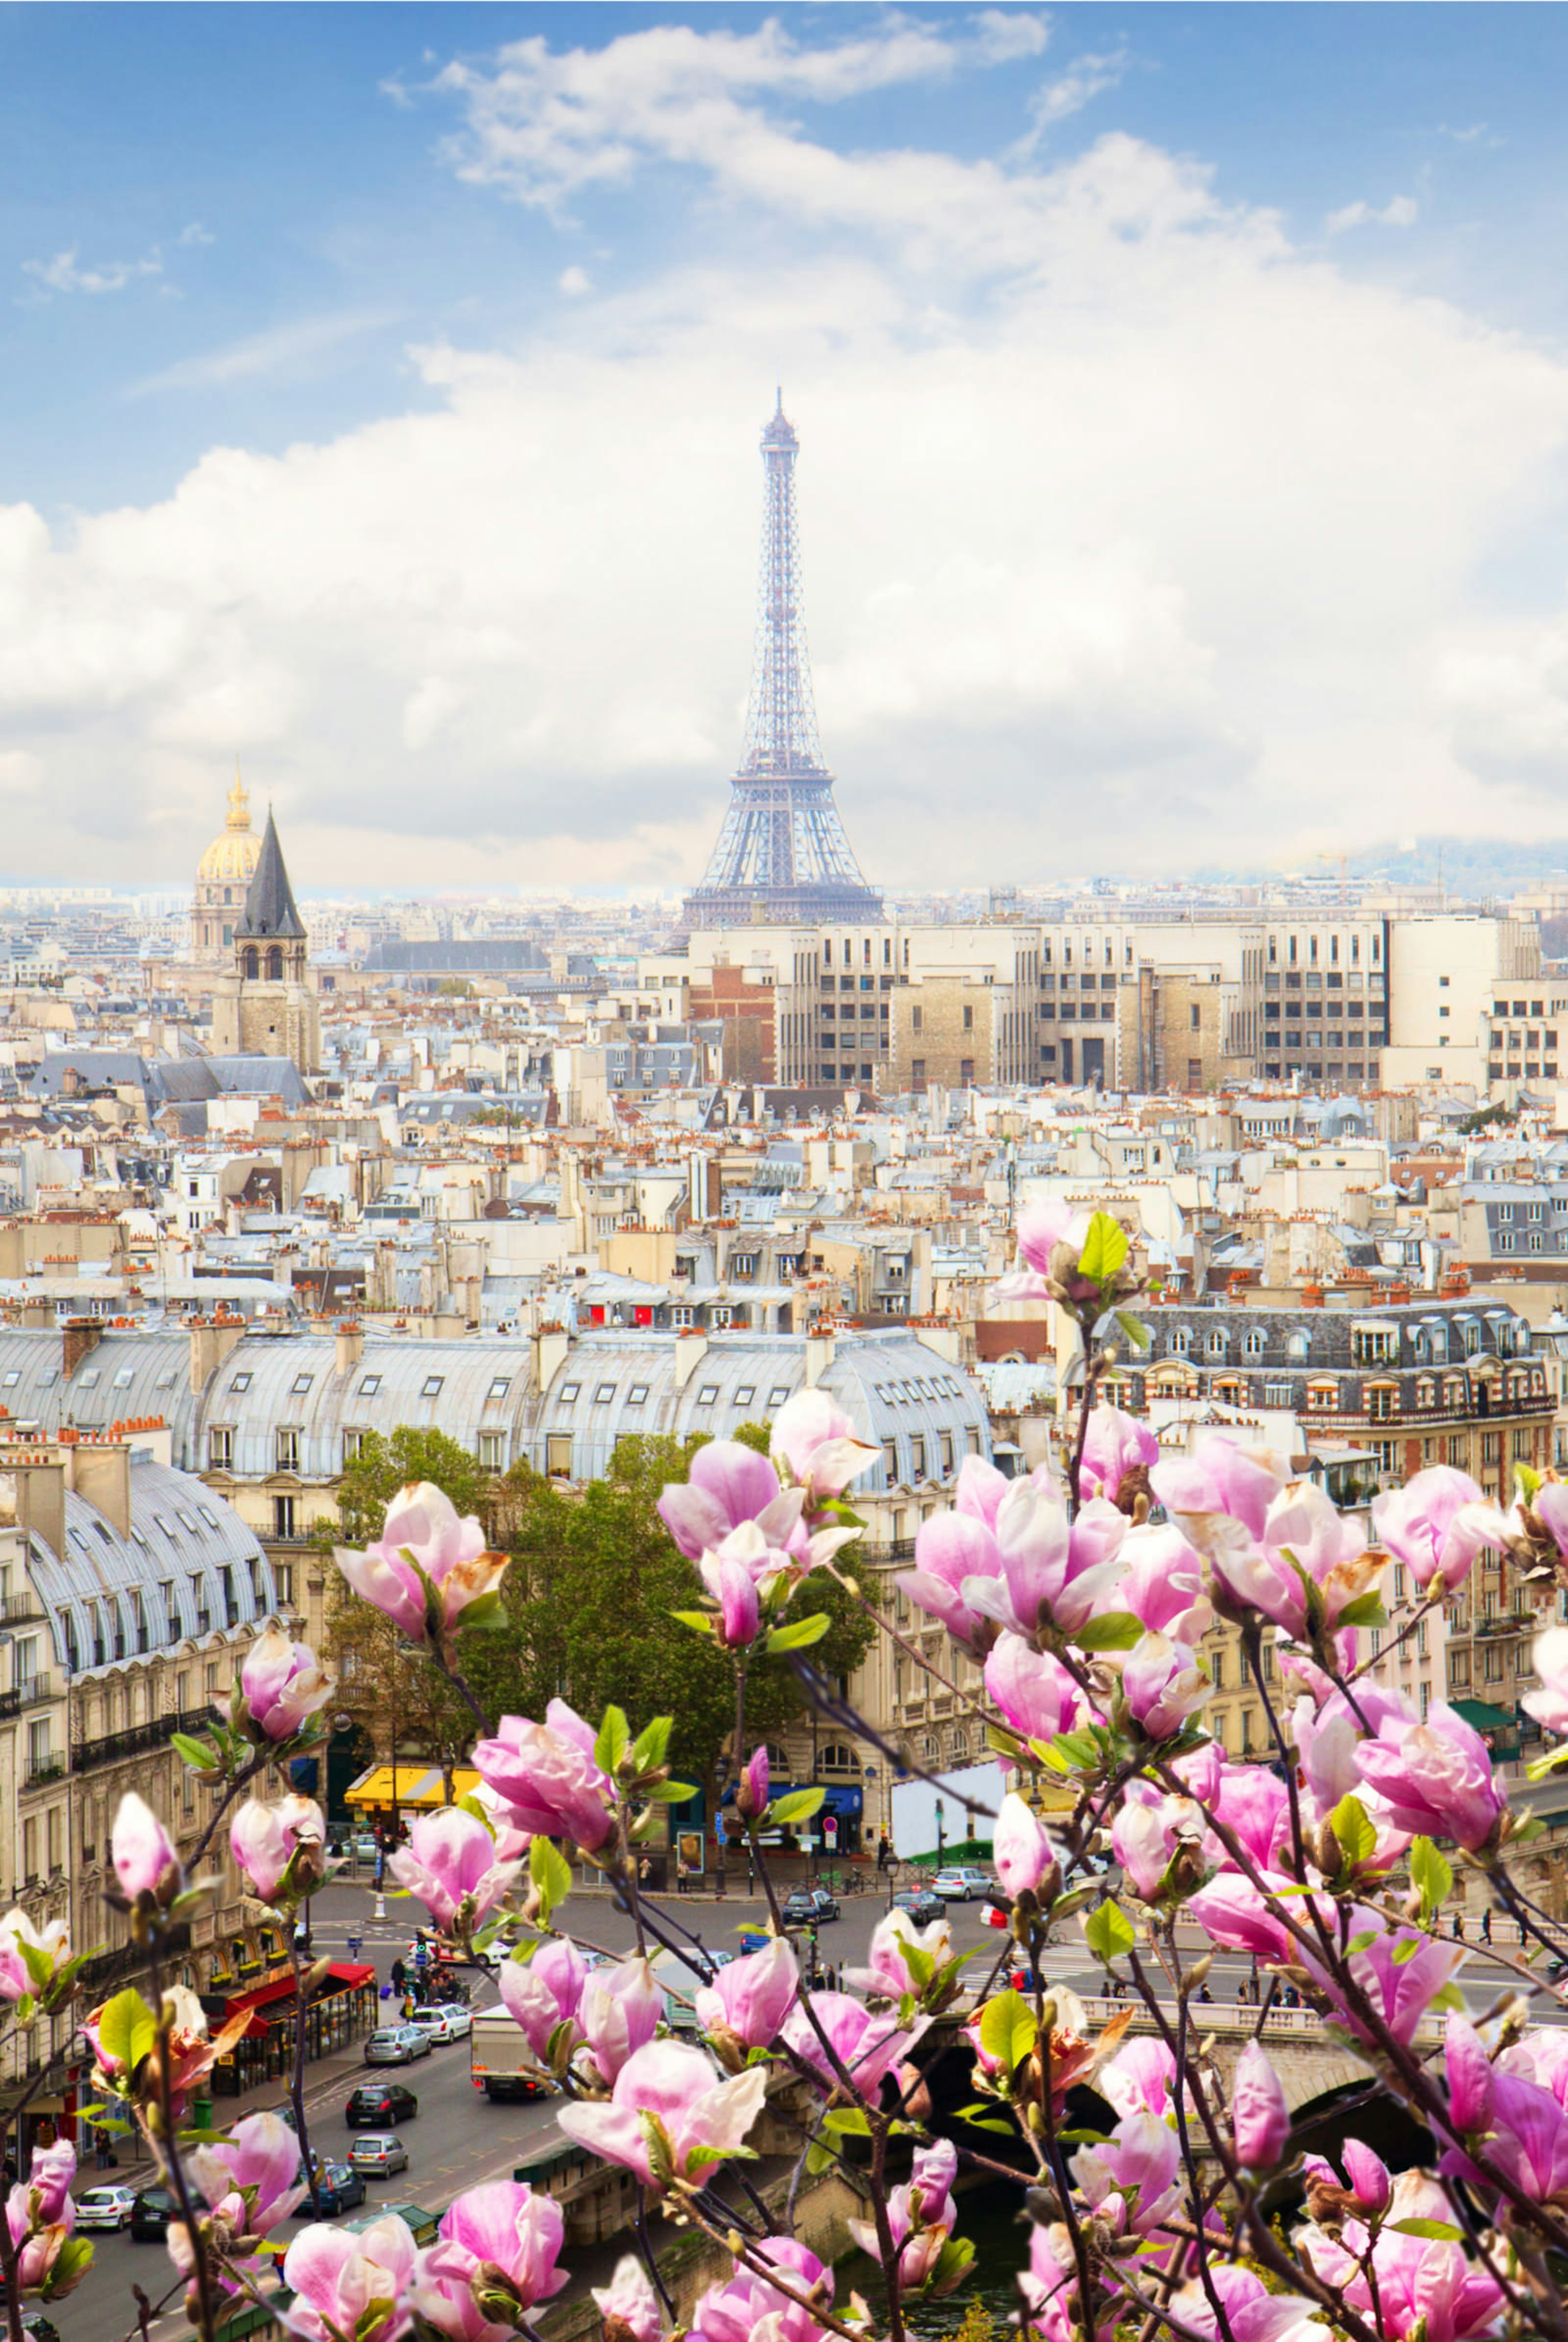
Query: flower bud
<point x="1260" y="2118"/>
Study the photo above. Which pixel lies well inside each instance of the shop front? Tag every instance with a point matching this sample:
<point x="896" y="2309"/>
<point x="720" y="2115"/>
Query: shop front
<point x="343" y="2008"/>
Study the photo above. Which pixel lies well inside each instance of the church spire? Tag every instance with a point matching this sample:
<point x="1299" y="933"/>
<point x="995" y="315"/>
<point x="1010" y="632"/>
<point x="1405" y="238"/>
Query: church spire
<point x="239" y="802"/>
<point x="270" y="908"/>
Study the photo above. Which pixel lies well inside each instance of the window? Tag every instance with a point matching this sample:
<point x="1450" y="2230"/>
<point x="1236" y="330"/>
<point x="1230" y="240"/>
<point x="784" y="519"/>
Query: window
<point x="1381" y="1403"/>
<point x="778" y="1396"/>
<point x="369" y="1386"/>
<point x="287" y="1457"/>
<point x="240" y="1383"/>
<point x="300" y="1384"/>
<point x="604" y="1395"/>
<point x="1322" y="1398"/>
<point x="431" y="1387"/>
<point x="1254" y="1345"/>
<point x="707" y="1395"/>
<point x="569" y="1391"/>
<point x="1181" y="1342"/>
<point x="917" y="1458"/>
<point x="220" y="1448"/>
<point x="492" y="1450"/>
<point x="498" y="1388"/>
<point x="352" y="1445"/>
<point x="890" y="1459"/>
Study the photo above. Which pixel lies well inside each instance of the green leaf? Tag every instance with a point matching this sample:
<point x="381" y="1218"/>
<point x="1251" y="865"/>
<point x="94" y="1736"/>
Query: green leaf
<point x="68" y="2269"/>
<point x="198" y="1752"/>
<point x="668" y="1793"/>
<point x="1406" y="1949"/>
<point x="127" y="2029"/>
<point x="1361" y="1943"/>
<point x="1538" y="1769"/>
<point x="800" y="1805"/>
<point x="819" y="2158"/>
<point x="1136" y="1332"/>
<point x="1431" y="1876"/>
<point x="1526" y="1481"/>
<point x="1076" y="1748"/>
<point x="853" y="2119"/>
<point x="702" y="1622"/>
<point x="1442" y="2232"/>
<point x="1008" y="2029"/>
<point x="1351" y="1826"/>
<point x="372" y="2319"/>
<point x="652" y="1746"/>
<point x="953" y="2265"/>
<point x="482" y="1614"/>
<point x="1366" y="1610"/>
<point x="550" y="1872"/>
<point x="797" y="1635"/>
<point x="1115" y="1630"/>
<point x="1104" y="1249"/>
<point x="1108" y="1932"/>
<point x="615" y="1740"/>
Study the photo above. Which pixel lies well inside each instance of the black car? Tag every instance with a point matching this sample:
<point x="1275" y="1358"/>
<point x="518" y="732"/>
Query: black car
<point x="150" y="2215"/>
<point x="808" y="1906"/>
<point x="376" y="2104"/>
<point x="921" y="1903"/>
<point x="338" y="2186"/>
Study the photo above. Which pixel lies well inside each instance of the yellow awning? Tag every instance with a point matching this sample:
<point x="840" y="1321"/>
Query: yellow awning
<point x="423" y="1786"/>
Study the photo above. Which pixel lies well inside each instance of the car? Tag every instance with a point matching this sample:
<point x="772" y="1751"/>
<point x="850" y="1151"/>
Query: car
<point x="338" y="2187"/>
<point x="396" y="2045"/>
<point x="150" y="2215"/>
<point x="374" y="2104"/>
<point x="960" y="1884"/>
<point x="39" y="2329"/>
<point x="105" y="2207"/>
<point x="378" y="2153"/>
<point x="809" y="1907"/>
<point x="921" y="1904"/>
<point x="444" y="2021"/>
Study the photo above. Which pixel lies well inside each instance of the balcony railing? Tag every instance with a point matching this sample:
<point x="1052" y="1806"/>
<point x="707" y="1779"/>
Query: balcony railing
<point x="114" y="1747"/>
<point x="16" y="1606"/>
<point x="51" y="1767"/>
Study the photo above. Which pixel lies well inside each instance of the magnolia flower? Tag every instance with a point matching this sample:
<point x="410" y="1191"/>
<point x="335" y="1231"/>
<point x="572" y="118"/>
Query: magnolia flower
<point x="1548" y="1705"/>
<point x="630" y="2309"/>
<point x="1254" y="1805"/>
<point x="1131" y="2179"/>
<point x="1164" y="1585"/>
<point x="1469" y="2076"/>
<point x="428" y="1566"/>
<point x="40" y="2214"/>
<point x="1032" y="1689"/>
<point x="754" y="1787"/>
<point x="1367" y="2186"/>
<point x="746" y="2306"/>
<point x="51" y="1942"/>
<point x="349" y="2284"/>
<point x="1021" y="1852"/>
<point x="547" y="1777"/>
<point x="1232" y="1911"/>
<point x="886" y="1973"/>
<point x="1436" y="1525"/>
<point x="282" y="1685"/>
<point x="820" y="1444"/>
<point x="251" y="2179"/>
<point x="734" y="1580"/>
<point x="141" y="1849"/>
<point x="495" y="2254"/>
<point x="1328" y="1738"/>
<point x="1116" y="1446"/>
<point x="540" y="1992"/>
<point x="1162" y="1683"/>
<point x="1400" y="1985"/>
<point x="728" y="1484"/>
<point x="866" y="2046"/>
<point x="1145" y="1836"/>
<point x="1139" y="2078"/>
<point x="264" y="1838"/>
<point x="1260" y="2117"/>
<point x="618" y="2013"/>
<point x="1417" y="2284"/>
<point x="450" y="1863"/>
<point x="951" y="1549"/>
<point x="1223" y="1477"/>
<point x="1434" y="1779"/>
<point x="667" y="2098"/>
<point x="751" y="1997"/>
<point x="1251" y="2312"/>
<point x="921" y="2216"/>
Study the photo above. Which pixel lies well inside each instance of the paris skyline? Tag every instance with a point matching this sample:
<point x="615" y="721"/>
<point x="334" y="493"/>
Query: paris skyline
<point x="1181" y="397"/>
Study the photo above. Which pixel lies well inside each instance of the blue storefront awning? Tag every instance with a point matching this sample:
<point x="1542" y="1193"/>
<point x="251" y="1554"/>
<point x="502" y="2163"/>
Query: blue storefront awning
<point x="843" y="1799"/>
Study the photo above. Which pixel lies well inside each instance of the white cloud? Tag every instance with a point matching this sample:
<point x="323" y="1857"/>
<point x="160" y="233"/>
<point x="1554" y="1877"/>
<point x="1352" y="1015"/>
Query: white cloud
<point x="1087" y="78"/>
<point x="1004" y="35"/>
<point x="195" y="233"/>
<point x="1132" y="533"/>
<point x="1401" y="211"/>
<point x="292" y="349"/>
<point x="575" y="281"/>
<point x="64" y="272"/>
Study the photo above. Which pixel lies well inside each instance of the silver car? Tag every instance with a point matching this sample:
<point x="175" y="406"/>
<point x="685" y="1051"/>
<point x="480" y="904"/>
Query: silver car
<point x="377" y="2154"/>
<point x="396" y="2045"/>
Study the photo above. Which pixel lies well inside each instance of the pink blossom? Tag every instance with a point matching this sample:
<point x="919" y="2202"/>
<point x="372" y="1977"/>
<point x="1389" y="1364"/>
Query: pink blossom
<point x="281" y="1685"/>
<point x="40" y="2214"/>
<point x="1046" y="1571"/>
<point x="1260" y="2118"/>
<point x="1549" y="1705"/>
<point x="921" y="2216"/>
<point x="1163" y="1587"/>
<point x="618" y="2013"/>
<point x="1145" y="1834"/>
<point x="1302" y="1533"/>
<point x="1162" y="1683"/>
<point x="1252" y="2313"/>
<point x="751" y="1996"/>
<point x="758" y="1784"/>
<point x="1044" y="1225"/>
<point x="745" y="2303"/>
<point x="979" y="1490"/>
<point x="1232" y="1911"/>
<point x="1254" y="1805"/>
<point x="1434" y="1779"/>
<point x="1138" y="2079"/>
<point x="547" y="1777"/>
<point x="868" y="2046"/>
<point x="886" y="1973"/>
<point x="728" y="1482"/>
<point x="1366" y="2176"/>
<point x="1328" y="1738"/>
<point x="1422" y="2284"/>
<point x="1032" y="1689"/>
<point x="1550" y="1507"/>
<point x="262" y="1839"/>
<point x="1114" y="1445"/>
<point x="1530" y="2138"/>
<point x="336" y="2276"/>
<point x="251" y="2178"/>
<point x="496" y="2252"/>
<point x="17" y="1930"/>
<point x="1021" y="1851"/>
<point x="630" y="2309"/>
<point x="820" y="1443"/>
<point x="1399" y="1987"/>
<point x="428" y="1566"/>
<point x="49" y="2177"/>
<point x="450" y="1863"/>
<point x="1221" y="1478"/>
<point x="733" y="1583"/>
<point x="1436" y="1525"/>
<point x="1469" y="2076"/>
<point x="951" y="1549"/>
<point x="673" y="2089"/>
<point x="540" y="1992"/>
<point x="141" y="1848"/>
<point x="1131" y="2179"/>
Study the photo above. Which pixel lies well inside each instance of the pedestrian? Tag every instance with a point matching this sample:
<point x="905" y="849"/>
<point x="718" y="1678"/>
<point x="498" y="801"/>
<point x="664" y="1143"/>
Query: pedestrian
<point x="1486" y="1924"/>
<point x="398" y="1976"/>
<point x="644" y="1871"/>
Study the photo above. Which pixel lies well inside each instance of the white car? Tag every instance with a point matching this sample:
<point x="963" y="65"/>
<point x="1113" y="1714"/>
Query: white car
<point x="104" y="2208"/>
<point x="447" y="2023"/>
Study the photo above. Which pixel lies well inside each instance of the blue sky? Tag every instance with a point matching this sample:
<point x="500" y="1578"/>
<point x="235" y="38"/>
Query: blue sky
<point x="380" y="391"/>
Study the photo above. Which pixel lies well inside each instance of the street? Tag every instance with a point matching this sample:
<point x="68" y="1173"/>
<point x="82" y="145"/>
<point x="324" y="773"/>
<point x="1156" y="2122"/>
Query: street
<point x="459" y="2139"/>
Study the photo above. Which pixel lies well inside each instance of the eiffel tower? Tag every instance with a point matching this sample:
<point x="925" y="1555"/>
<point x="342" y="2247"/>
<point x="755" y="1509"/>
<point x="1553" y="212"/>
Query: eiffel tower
<point x="781" y="858"/>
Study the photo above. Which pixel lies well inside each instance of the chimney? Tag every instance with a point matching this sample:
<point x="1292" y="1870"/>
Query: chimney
<point x="103" y="1476"/>
<point x="82" y="1337"/>
<point x="819" y="1355"/>
<point x="552" y="1345"/>
<point x="691" y="1349"/>
<point x="350" y="1345"/>
<point x="210" y="1346"/>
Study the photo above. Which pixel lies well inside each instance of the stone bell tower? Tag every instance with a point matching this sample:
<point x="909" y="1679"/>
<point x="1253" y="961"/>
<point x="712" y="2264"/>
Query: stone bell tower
<point x="266" y="1006"/>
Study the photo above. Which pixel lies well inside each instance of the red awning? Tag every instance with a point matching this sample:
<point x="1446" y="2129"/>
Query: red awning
<point x="343" y="1975"/>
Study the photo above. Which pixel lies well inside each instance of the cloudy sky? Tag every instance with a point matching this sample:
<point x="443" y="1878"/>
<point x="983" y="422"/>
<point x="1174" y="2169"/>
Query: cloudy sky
<point x="1182" y="394"/>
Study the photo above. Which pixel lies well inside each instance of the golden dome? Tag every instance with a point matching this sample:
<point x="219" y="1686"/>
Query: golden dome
<point x="233" y="857"/>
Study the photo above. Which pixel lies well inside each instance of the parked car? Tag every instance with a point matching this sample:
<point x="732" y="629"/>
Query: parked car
<point x="378" y="2153"/>
<point x="808" y="1905"/>
<point x="961" y="1884"/>
<point x="922" y="1904"/>
<point x="374" y="2104"/>
<point x="105" y="2207"/>
<point x="150" y="2215"/>
<point x="396" y="2045"/>
<point x="338" y="2187"/>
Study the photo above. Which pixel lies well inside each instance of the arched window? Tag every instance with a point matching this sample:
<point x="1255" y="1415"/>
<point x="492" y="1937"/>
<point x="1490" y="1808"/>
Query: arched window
<point x="1298" y="1347"/>
<point x="1322" y="1397"/>
<point x="778" y="1760"/>
<point x="1426" y="1392"/>
<point x="838" y="1757"/>
<point x="274" y="964"/>
<point x="1254" y="1343"/>
<point x="1217" y="1344"/>
<point x="250" y="962"/>
<point x="1382" y="1402"/>
<point x="1181" y="1341"/>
